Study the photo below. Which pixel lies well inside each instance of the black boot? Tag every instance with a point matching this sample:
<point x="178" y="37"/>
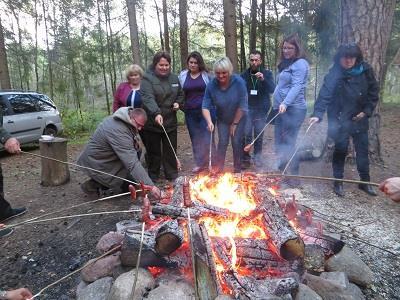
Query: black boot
<point x="338" y="188"/>
<point x="368" y="189"/>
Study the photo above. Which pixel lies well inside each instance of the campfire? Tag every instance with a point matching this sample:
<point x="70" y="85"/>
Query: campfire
<point x="246" y="240"/>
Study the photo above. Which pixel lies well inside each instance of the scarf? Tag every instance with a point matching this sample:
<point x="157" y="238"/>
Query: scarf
<point x="355" y="71"/>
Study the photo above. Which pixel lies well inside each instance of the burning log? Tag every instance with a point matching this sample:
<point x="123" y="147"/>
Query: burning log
<point x="195" y="211"/>
<point x="283" y="236"/>
<point x="159" y="241"/>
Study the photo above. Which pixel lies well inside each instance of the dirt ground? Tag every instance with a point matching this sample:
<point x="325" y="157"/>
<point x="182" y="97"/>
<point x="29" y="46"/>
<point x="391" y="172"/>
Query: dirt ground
<point x="37" y="255"/>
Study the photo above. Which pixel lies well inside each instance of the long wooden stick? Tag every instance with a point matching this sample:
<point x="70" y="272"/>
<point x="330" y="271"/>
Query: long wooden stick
<point x="178" y="162"/>
<point x="323" y="178"/>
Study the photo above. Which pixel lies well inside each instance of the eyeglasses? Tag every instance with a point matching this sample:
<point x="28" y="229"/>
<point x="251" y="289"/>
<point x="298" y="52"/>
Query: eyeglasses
<point x="288" y="48"/>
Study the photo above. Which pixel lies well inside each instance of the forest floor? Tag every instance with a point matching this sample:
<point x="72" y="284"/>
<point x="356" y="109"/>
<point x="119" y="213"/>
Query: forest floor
<point x="37" y="255"/>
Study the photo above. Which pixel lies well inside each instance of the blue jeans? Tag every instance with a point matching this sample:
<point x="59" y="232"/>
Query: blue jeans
<point x="223" y="141"/>
<point x="199" y="135"/>
<point x="255" y="122"/>
<point x="287" y="127"/>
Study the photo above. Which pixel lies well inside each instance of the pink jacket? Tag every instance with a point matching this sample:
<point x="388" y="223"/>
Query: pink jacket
<point x="121" y="94"/>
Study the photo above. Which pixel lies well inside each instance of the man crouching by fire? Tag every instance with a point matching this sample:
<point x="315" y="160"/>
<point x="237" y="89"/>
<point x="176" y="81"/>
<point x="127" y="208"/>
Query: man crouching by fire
<point x="114" y="148"/>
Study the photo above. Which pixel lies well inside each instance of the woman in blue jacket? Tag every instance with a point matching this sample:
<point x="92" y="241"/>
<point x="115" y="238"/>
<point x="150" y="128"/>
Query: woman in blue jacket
<point x="289" y="100"/>
<point x="227" y="93"/>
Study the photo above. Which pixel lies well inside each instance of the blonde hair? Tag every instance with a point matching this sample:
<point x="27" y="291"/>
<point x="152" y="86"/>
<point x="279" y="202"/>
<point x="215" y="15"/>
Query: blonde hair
<point x="223" y="64"/>
<point x="134" y="69"/>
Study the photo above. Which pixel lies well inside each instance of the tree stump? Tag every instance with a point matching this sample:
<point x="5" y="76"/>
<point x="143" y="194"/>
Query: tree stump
<point x="54" y="173"/>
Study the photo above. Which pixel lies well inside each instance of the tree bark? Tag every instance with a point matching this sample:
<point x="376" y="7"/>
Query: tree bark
<point x="36" y="47"/>
<point x="54" y="173"/>
<point x="263" y="32"/>
<point x="133" y="30"/>
<point x="230" y="32"/>
<point x="253" y="24"/>
<point x="4" y="72"/>
<point x="110" y="49"/>
<point x="159" y="24"/>
<point x="49" y="58"/>
<point x="242" y="47"/>
<point x="166" y="29"/>
<point x="369" y="24"/>
<point x="183" y="31"/>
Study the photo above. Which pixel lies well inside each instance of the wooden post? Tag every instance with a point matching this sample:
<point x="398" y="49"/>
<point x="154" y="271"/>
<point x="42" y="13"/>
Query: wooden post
<point x="54" y="173"/>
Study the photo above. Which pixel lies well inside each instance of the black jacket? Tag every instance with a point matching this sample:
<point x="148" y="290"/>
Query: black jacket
<point x="344" y="96"/>
<point x="264" y="89"/>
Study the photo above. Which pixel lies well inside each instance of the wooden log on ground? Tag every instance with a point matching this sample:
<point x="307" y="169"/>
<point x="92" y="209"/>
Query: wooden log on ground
<point x="288" y="243"/>
<point x="54" y="173"/>
<point x="195" y="211"/>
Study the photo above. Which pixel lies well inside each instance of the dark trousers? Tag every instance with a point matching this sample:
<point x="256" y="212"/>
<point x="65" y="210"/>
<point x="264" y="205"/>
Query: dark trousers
<point x="287" y="127"/>
<point x="360" y="141"/>
<point x="199" y="135"/>
<point x="158" y="150"/>
<point x="255" y="122"/>
<point x="4" y="205"/>
<point x="223" y="141"/>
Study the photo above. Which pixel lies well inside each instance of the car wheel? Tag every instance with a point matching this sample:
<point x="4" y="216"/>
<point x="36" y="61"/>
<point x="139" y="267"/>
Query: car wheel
<point x="50" y="130"/>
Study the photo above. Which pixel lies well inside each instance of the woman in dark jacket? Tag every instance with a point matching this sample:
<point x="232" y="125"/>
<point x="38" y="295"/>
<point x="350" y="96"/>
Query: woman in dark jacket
<point x="162" y="97"/>
<point x="349" y="95"/>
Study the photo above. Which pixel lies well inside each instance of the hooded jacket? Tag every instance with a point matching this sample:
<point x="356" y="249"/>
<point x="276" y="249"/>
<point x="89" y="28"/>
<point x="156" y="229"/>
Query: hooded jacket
<point x="344" y="96"/>
<point x="158" y="96"/>
<point x="113" y="149"/>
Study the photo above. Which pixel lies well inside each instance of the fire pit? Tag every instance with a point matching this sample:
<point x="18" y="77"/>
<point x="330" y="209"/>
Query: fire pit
<point x="248" y="242"/>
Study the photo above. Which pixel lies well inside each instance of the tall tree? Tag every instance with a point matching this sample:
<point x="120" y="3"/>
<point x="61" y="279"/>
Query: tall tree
<point x="49" y="57"/>
<point x="369" y="24"/>
<point x="36" y="16"/>
<point x="183" y="31"/>
<point x="159" y="24"/>
<point x="4" y="73"/>
<point x="253" y="25"/>
<point x="133" y="29"/>
<point x="263" y="31"/>
<point x="241" y="32"/>
<point x="230" y="32"/>
<point x="166" y="29"/>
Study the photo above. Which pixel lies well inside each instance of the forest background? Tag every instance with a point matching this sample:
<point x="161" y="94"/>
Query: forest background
<point x="76" y="51"/>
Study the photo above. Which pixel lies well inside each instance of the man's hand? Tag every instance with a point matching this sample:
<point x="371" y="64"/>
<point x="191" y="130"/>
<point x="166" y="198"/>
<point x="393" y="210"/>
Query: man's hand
<point x="155" y="191"/>
<point x="260" y="76"/>
<point x="159" y="120"/>
<point x="391" y="187"/>
<point x="282" y="108"/>
<point x="210" y="127"/>
<point x="175" y="106"/>
<point x="313" y="120"/>
<point x="19" y="294"/>
<point x="359" y="117"/>
<point x="12" y="146"/>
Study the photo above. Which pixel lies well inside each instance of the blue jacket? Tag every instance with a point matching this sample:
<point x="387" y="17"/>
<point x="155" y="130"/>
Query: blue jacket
<point x="292" y="83"/>
<point x="262" y="100"/>
<point x="226" y="101"/>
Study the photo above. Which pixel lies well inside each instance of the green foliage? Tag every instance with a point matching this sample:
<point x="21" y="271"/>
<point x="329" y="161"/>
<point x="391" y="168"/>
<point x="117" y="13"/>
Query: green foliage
<point x="76" y="125"/>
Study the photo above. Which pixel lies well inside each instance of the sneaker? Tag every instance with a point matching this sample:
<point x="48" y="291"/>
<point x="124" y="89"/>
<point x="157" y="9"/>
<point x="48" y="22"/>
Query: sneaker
<point x="14" y="212"/>
<point x="5" y="232"/>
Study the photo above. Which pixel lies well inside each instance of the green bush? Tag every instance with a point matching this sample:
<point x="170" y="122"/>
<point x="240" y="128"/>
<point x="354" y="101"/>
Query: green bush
<point x="78" y="124"/>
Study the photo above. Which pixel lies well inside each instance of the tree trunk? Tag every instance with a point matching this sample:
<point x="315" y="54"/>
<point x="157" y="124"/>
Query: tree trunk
<point x="4" y="73"/>
<point x="230" y="32"/>
<point x="146" y="58"/>
<point x="369" y="24"/>
<point x="36" y="47"/>
<point x="133" y="29"/>
<point x="159" y="24"/>
<point x="166" y="29"/>
<point x="103" y="65"/>
<point x="242" y="47"/>
<point x="253" y="28"/>
<point x="54" y="173"/>
<point x="183" y="31"/>
<point x="110" y="48"/>
<point x="49" y="58"/>
<point x="263" y="32"/>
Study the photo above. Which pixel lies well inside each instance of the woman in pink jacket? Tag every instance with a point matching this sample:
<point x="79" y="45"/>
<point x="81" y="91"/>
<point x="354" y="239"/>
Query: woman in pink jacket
<point x="127" y="93"/>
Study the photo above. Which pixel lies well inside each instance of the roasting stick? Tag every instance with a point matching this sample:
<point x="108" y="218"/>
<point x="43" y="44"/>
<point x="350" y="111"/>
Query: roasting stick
<point x="28" y="222"/>
<point x="323" y="178"/>
<point x="297" y="149"/>
<point x="138" y="260"/>
<point x="76" y="271"/>
<point x="178" y="162"/>
<point x="248" y="147"/>
<point x="210" y="153"/>
<point x="79" y="166"/>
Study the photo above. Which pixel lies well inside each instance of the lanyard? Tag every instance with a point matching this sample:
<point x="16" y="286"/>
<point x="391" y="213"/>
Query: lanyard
<point x="254" y="82"/>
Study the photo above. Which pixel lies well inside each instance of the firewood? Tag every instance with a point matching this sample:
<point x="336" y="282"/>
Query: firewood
<point x="169" y="238"/>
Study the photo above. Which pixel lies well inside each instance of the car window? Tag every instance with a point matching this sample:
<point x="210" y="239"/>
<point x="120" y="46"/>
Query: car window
<point x="4" y="106"/>
<point x="44" y="106"/>
<point x="22" y="104"/>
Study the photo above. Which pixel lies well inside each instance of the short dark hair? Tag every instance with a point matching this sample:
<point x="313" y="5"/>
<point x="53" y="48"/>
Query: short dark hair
<point x="136" y="112"/>
<point x="348" y="50"/>
<point x="200" y="61"/>
<point x="255" y="52"/>
<point x="157" y="57"/>
<point x="294" y="40"/>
